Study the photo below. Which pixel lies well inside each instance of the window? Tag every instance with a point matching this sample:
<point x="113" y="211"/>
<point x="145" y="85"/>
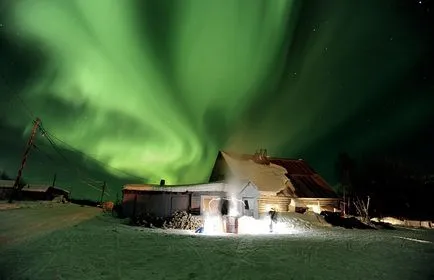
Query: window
<point x="246" y="205"/>
<point x="224" y="206"/>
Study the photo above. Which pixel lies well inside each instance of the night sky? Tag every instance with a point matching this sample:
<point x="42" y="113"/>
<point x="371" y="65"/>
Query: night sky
<point x="136" y="91"/>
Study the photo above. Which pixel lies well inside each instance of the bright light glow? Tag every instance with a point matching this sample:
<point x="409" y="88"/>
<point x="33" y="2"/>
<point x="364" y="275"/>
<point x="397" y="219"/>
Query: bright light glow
<point x="268" y="207"/>
<point x="234" y="207"/>
<point x="250" y="225"/>
<point x="213" y="224"/>
<point x="314" y="208"/>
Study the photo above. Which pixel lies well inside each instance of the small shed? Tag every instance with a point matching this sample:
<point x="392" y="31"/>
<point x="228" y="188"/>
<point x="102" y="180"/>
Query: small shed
<point x="155" y="203"/>
<point x="6" y="187"/>
<point x="163" y="201"/>
<point x="41" y="192"/>
<point x="32" y="192"/>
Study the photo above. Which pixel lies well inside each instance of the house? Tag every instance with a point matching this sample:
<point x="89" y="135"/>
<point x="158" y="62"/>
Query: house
<point x="42" y="192"/>
<point x="31" y="192"/>
<point x="283" y="184"/>
<point x="246" y="185"/>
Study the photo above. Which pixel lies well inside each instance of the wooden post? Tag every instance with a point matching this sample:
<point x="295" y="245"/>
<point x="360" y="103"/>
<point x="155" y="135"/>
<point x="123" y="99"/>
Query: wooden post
<point x="54" y="180"/>
<point x="102" y="192"/>
<point x="134" y="206"/>
<point x="17" y="187"/>
<point x="345" y="212"/>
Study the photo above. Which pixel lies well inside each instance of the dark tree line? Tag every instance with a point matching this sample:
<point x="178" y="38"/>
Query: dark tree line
<point x="394" y="187"/>
<point x="5" y="176"/>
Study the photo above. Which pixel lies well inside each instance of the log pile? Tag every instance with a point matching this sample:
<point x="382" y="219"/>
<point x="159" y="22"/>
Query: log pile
<point x="59" y="199"/>
<point x="147" y="220"/>
<point x="183" y="220"/>
<point x="179" y="220"/>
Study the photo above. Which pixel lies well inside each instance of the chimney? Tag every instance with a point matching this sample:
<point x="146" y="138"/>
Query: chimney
<point x="162" y="182"/>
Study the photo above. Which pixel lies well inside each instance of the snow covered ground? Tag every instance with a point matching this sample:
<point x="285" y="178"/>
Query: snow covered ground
<point x="5" y="205"/>
<point x="75" y="242"/>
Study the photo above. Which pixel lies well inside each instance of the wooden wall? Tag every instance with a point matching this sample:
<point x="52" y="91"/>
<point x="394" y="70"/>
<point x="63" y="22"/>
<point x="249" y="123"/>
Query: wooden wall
<point x="163" y="204"/>
<point x="154" y="203"/>
<point x="279" y="202"/>
<point x="5" y="193"/>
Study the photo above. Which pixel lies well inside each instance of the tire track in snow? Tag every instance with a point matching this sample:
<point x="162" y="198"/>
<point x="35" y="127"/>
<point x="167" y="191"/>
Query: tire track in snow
<point x="241" y="254"/>
<point x="193" y="246"/>
<point x="118" y="249"/>
<point x="53" y="254"/>
<point x="71" y="219"/>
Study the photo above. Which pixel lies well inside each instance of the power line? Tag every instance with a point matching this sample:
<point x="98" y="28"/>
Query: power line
<point x="37" y="148"/>
<point x="57" y="150"/>
<point x="27" y="108"/>
<point x="85" y="180"/>
<point x="50" y="136"/>
<point x="92" y="158"/>
<point x="47" y="136"/>
<point x="16" y="94"/>
<point x="55" y="147"/>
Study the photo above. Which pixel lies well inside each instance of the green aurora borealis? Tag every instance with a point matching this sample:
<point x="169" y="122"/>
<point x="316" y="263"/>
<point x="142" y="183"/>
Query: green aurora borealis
<point x="156" y="88"/>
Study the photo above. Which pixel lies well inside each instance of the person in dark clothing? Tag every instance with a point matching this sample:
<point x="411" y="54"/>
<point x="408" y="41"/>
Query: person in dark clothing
<point x="273" y="218"/>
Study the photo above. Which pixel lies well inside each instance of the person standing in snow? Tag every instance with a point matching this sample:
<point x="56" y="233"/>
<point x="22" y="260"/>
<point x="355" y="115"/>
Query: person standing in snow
<point x="273" y="218"/>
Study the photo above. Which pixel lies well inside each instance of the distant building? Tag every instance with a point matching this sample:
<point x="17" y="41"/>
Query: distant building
<point x="31" y="192"/>
<point x="6" y="188"/>
<point x="248" y="184"/>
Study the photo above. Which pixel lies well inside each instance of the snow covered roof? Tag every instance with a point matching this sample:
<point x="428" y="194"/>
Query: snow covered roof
<point x="266" y="177"/>
<point x="213" y="187"/>
<point x="32" y="188"/>
<point x="40" y="189"/>
<point x="7" y="183"/>
<point x="271" y="174"/>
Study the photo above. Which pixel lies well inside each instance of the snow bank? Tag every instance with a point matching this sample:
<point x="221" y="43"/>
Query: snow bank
<point x="5" y="205"/>
<point x="287" y="223"/>
<point x="405" y="223"/>
<point x="306" y="221"/>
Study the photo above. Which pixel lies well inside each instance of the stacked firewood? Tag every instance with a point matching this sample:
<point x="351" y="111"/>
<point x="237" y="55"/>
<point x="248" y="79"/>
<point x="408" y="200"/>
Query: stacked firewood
<point x="183" y="220"/>
<point x="147" y="220"/>
<point x="59" y="199"/>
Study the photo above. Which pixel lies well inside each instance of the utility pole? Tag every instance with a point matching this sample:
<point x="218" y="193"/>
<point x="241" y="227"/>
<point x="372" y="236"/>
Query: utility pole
<point x="54" y="180"/>
<point x="102" y="192"/>
<point x="36" y="124"/>
<point x="345" y="213"/>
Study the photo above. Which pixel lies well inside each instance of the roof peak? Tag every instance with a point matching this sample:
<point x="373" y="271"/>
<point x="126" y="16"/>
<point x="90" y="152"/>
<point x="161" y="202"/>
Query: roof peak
<point x="244" y="155"/>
